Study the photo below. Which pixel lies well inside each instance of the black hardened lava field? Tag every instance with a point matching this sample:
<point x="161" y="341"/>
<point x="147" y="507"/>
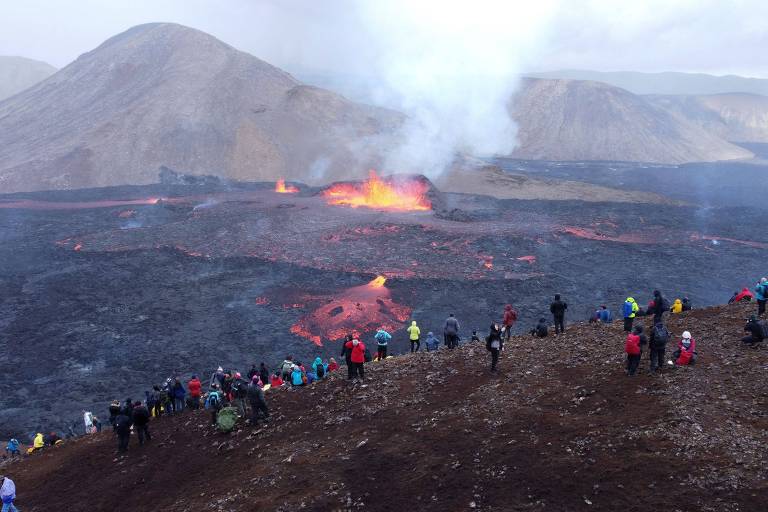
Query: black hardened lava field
<point x="104" y="292"/>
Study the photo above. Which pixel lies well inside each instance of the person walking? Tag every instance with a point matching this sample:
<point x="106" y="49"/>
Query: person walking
<point x="357" y="358"/>
<point x="629" y="311"/>
<point x="414" y="336"/>
<point x="141" y="422"/>
<point x="214" y="402"/>
<point x="451" y="332"/>
<point x="508" y="321"/>
<point x="8" y="494"/>
<point x="382" y="338"/>
<point x="658" y="345"/>
<point x="494" y="344"/>
<point x="558" y="309"/>
<point x="761" y="294"/>
<point x="257" y="401"/>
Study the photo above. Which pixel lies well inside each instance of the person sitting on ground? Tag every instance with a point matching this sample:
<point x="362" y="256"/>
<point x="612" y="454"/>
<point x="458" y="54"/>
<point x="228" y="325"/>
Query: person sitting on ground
<point x="257" y="401"/>
<point x="494" y="344"/>
<point x="687" y="304"/>
<point x="677" y="307"/>
<point x="508" y="321"/>
<point x="214" y="402"/>
<point x="37" y="443"/>
<point x="52" y="439"/>
<point x="297" y="376"/>
<point x="658" y="345"/>
<point x="474" y="337"/>
<point x="756" y="329"/>
<point x="541" y="330"/>
<point x="604" y="315"/>
<point x="141" y="422"/>
<point x="319" y="369"/>
<point x="7" y="494"/>
<point x="275" y="381"/>
<point x="733" y="298"/>
<point x="332" y="365"/>
<point x="686" y="351"/>
<point x="414" y="336"/>
<point x="744" y="295"/>
<point x="13" y="448"/>
<point x="761" y="294"/>
<point x="382" y="338"/>
<point x="195" y="388"/>
<point x="629" y="310"/>
<point x="432" y="343"/>
<point x="311" y="376"/>
<point x="122" y="428"/>
<point x="357" y="357"/>
<point x="263" y="374"/>
<point x="633" y="350"/>
<point x="287" y="368"/>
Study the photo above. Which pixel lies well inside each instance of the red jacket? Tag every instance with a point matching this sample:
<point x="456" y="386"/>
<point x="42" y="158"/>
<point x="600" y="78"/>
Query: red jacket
<point x="632" y="346"/>
<point x="194" y="388"/>
<point x="358" y="352"/>
<point x="332" y="367"/>
<point x="690" y="349"/>
<point x="276" y="381"/>
<point x="685" y="358"/>
<point x="744" y="295"/>
<point x="510" y="316"/>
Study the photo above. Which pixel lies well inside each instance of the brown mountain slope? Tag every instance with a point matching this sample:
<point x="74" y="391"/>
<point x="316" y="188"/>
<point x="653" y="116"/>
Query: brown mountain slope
<point x="737" y="117"/>
<point x="164" y="94"/>
<point x="580" y="120"/>
<point x="560" y="427"/>
<point x="19" y="73"/>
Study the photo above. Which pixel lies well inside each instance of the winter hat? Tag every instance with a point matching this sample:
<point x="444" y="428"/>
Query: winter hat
<point x="255" y="379"/>
<point x="219" y="369"/>
<point x="237" y="375"/>
<point x="355" y="342"/>
<point x="686" y="335"/>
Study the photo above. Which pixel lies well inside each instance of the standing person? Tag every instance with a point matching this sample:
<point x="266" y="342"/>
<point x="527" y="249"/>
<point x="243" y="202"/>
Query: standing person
<point x="214" y="402"/>
<point x="239" y="393"/>
<point x="508" y="321"/>
<point x="179" y="393"/>
<point x="346" y="353"/>
<point x="658" y="345"/>
<point x="414" y="335"/>
<point x="558" y="309"/>
<point x="382" y="338"/>
<point x="629" y="311"/>
<point x="88" y="420"/>
<point x="432" y="343"/>
<point x="633" y="350"/>
<point x="494" y="344"/>
<point x="12" y="448"/>
<point x="141" y="422"/>
<point x="761" y="294"/>
<point x="122" y="428"/>
<point x="253" y="371"/>
<point x="451" y="332"/>
<point x="660" y="306"/>
<point x="195" y="388"/>
<point x="257" y="401"/>
<point x="8" y="494"/>
<point x="114" y="410"/>
<point x="357" y="357"/>
<point x="263" y="374"/>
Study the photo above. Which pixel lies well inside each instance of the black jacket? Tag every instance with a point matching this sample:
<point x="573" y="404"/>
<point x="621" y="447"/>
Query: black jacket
<point x="755" y="329"/>
<point x="656" y="343"/>
<point x="255" y="394"/>
<point x="140" y="416"/>
<point x="558" y="308"/>
<point x="122" y="425"/>
<point x="494" y="335"/>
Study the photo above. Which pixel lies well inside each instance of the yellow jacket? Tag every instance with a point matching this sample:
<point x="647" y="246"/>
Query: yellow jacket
<point x="38" y="442"/>
<point x="677" y="307"/>
<point x="414" y="331"/>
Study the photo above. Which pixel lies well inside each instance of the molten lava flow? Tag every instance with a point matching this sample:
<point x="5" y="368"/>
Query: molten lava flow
<point x="360" y="309"/>
<point x="282" y="188"/>
<point x="407" y="195"/>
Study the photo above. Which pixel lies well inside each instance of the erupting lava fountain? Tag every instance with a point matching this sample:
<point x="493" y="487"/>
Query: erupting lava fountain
<point x="281" y="188"/>
<point x="400" y="195"/>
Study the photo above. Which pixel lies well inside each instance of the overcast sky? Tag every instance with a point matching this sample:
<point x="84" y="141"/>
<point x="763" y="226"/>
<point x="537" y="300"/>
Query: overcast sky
<point x="336" y="35"/>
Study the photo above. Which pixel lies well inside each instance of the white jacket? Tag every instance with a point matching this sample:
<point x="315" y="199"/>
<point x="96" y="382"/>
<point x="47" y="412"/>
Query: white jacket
<point x="8" y="490"/>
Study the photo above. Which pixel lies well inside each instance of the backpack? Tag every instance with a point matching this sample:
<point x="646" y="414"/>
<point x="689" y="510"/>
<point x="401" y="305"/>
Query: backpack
<point x="660" y="335"/>
<point x="287" y="367"/>
<point x="226" y="419"/>
<point x="627" y="309"/>
<point x="320" y="371"/>
<point x="368" y="357"/>
<point x="213" y="401"/>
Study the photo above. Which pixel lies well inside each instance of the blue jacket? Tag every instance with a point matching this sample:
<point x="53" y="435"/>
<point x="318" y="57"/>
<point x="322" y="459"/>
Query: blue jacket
<point x="296" y="379"/>
<point x="432" y="342"/>
<point x="605" y="315"/>
<point x="382" y="337"/>
<point x="179" y="392"/>
<point x="761" y="291"/>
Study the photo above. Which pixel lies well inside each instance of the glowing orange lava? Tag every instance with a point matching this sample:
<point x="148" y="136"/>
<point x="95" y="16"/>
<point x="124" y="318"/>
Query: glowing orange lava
<point x="405" y="195"/>
<point x="378" y="282"/>
<point x="282" y="188"/>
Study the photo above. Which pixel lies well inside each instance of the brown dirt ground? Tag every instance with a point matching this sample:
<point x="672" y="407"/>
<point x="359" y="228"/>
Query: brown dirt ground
<point x="560" y="428"/>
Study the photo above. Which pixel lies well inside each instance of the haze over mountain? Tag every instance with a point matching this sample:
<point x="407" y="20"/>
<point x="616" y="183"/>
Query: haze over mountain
<point x="664" y="83"/>
<point x="19" y="73"/>
<point x="164" y="94"/>
<point x="583" y="120"/>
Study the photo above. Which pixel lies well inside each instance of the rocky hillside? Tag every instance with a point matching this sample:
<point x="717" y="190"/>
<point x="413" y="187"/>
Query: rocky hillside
<point x="560" y="428"/>
<point x="164" y="94"/>
<point x="581" y="120"/>
<point x="737" y="117"/>
<point x="18" y="73"/>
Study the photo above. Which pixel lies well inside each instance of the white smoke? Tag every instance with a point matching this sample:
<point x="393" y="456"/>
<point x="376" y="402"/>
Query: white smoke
<point x="452" y="68"/>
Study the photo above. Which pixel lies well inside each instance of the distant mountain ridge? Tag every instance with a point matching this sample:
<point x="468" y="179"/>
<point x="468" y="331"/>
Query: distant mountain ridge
<point x="19" y="73"/>
<point x="664" y="83"/>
